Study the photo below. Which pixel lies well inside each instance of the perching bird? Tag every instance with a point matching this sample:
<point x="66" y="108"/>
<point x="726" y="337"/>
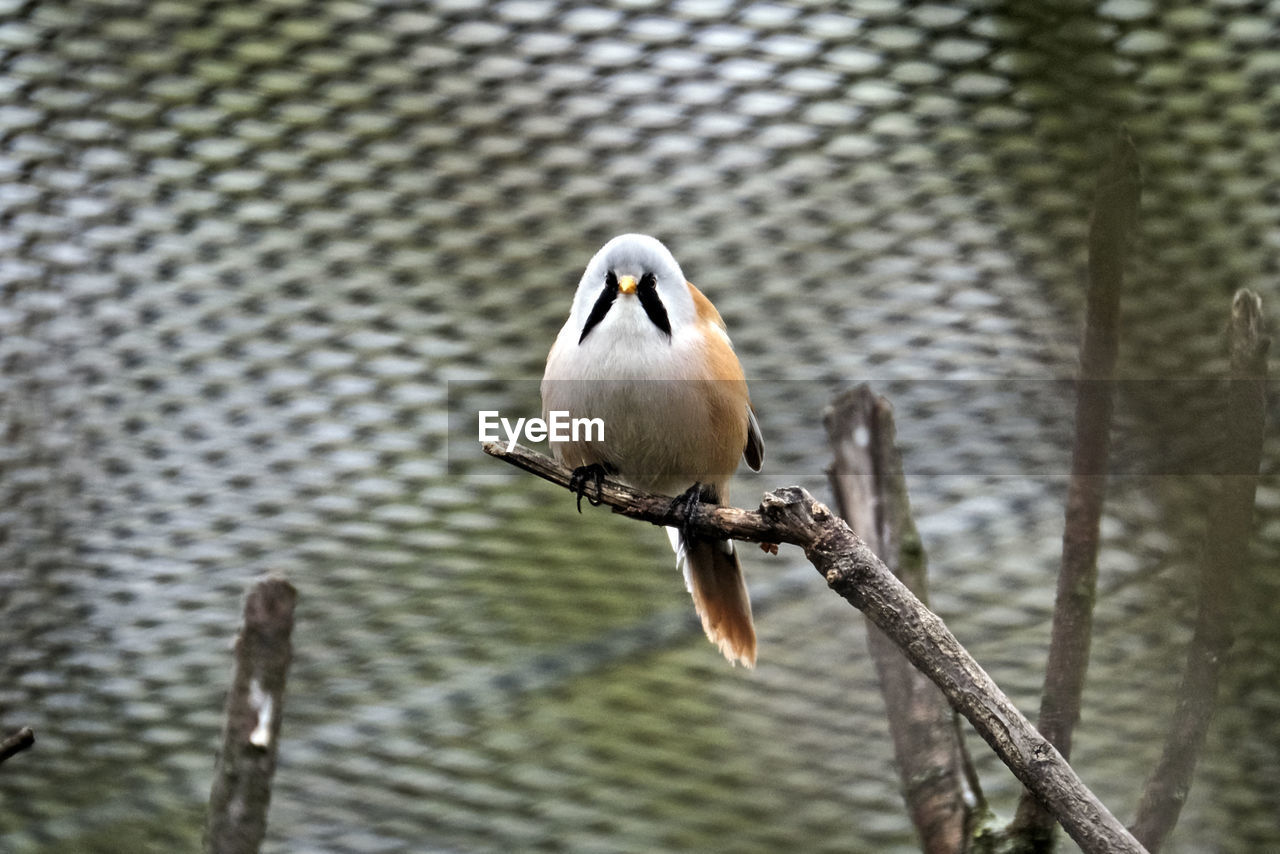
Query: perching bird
<point x="648" y="354"/>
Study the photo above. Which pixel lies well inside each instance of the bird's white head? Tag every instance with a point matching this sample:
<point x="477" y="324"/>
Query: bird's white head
<point x="633" y="280"/>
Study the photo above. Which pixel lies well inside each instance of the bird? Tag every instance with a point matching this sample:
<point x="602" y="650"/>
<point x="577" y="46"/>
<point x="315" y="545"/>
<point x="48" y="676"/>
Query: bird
<point x="647" y="353"/>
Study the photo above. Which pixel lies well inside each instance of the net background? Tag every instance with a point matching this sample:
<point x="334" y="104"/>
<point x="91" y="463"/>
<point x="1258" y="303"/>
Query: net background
<point x="254" y="256"/>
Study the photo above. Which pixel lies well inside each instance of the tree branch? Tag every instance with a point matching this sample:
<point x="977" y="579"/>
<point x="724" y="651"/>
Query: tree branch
<point x="16" y="743"/>
<point x="247" y="761"/>
<point x="790" y="515"/>
<point x="1114" y="215"/>
<point x="871" y="494"/>
<point x="1230" y="522"/>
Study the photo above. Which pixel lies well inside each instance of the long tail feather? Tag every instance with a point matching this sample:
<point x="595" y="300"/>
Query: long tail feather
<point x="714" y="578"/>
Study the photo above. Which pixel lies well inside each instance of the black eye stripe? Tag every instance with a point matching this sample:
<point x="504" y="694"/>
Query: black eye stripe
<point x="647" y="290"/>
<point x="607" y="295"/>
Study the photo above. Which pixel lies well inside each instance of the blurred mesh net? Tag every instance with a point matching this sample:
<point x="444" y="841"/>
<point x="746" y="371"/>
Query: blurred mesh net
<point x="246" y="246"/>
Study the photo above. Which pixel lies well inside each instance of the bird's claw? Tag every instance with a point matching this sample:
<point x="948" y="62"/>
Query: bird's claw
<point x="691" y="500"/>
<point x="594" y="473"/>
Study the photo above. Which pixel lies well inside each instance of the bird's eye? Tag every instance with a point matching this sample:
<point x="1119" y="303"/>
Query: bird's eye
<point x="611" y="281"/>
<point x="648" y="282"/>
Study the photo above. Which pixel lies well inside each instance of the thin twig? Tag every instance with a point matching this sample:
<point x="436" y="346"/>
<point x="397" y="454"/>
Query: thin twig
<point x="16" y="743"/>
<point x="251" y="730"/>
<point x="1114" y="216"/>
<point x="790" y="515"/>
<point x="1230" y="521"/>
<point x="871" y="494"/>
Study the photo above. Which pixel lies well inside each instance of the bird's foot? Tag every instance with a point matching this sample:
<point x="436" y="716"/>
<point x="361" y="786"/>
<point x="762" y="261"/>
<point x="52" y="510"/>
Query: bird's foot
<point x="594" y="473"/>
<point x="691" y="500"/>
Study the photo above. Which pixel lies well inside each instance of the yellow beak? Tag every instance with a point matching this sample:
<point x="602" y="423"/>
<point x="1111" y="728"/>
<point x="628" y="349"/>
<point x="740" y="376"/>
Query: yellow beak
<point x="627" y="284"/>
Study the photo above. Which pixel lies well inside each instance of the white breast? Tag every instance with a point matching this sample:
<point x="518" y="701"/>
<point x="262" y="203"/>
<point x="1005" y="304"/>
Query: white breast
<point x="645" y="387"/>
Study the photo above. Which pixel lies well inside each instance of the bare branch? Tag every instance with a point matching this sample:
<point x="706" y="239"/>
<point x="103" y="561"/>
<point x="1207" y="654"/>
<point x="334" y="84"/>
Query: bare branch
<point x="1231" y="518"/>
<point x="871" y="493"/>
<point x="790" y="515"/>
<point x="1114" y="214"/>
<point x="16" y="743"/>
<point x="247" y="761"/>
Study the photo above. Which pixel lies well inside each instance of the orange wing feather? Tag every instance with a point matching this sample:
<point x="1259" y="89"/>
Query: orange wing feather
<point x="733" y="411"/>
